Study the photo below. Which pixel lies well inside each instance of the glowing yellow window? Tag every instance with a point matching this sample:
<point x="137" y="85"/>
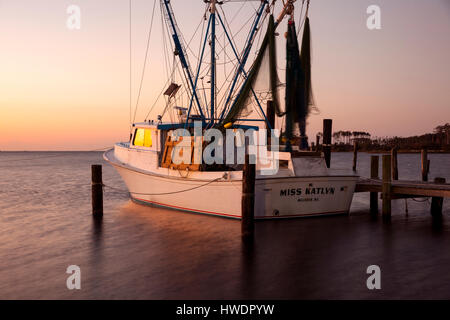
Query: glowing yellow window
<point x="148" y="138"/>
<point x="139" y="137"/>
<point x="143" y="138"/>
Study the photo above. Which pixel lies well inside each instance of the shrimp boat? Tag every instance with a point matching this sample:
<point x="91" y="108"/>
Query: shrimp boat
<point x="195" y="162"/>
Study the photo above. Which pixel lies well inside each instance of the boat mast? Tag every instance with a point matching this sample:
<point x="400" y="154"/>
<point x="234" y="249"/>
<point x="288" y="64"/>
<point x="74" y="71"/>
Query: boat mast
<point x="213" y="57"/>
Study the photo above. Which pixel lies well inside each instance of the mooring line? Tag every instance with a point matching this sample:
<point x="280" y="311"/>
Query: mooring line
<point x="162" y="193"/>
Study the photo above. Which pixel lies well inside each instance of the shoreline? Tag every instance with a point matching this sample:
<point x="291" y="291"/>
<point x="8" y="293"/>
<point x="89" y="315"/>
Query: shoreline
<point x="388" y="151"/>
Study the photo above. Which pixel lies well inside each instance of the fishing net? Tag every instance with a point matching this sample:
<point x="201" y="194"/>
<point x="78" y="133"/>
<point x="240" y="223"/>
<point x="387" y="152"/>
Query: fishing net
<point x="298" y="97"/>
<point x="262" y="81"/>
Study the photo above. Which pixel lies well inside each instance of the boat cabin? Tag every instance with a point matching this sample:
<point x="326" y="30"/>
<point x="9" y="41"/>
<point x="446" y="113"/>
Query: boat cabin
<point x="158" y="138"/>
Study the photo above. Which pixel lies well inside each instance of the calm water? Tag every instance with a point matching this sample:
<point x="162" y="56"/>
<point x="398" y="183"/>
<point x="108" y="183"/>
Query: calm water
<point x="140" y="252"/>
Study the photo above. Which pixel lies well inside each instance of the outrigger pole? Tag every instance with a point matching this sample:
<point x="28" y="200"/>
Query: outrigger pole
<point x="212" y="25"/>
<point x="246" y="54"/>
<point x="288" y="9"/>
<point x="181" y="53"/>
<point x="245" y="74"/>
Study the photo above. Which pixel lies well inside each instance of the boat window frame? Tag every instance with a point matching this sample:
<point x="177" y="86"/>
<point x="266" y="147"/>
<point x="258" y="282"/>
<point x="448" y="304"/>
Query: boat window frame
<point x="153" y="137"/>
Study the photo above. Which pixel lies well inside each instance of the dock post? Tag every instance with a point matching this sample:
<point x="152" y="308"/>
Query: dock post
<point x="327" y="128"/>
<point x="248" y="199"/>
<point x="437" y="202"/>
<point x="394" y="163"/>
<point x="386" y="186"/>
<point x="317" y="142"/>
<point x="355" y="154"/>
<point x="97" y="191"/>
<point x="374" y="163"/>
<point x="425" y="164"/>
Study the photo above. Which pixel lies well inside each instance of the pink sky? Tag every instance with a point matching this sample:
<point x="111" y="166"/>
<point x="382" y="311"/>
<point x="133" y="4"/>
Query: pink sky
<point x="69" y="90"/>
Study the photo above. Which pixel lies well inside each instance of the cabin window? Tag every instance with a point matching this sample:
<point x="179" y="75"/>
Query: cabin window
<point x="143" y="138"/>
<point x="147" y="138"/>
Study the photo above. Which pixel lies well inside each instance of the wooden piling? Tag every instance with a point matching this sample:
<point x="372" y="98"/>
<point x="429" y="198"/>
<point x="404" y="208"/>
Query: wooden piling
<point x="394" y="163"/>
<point x="355" y="154"/>
<point x="425" y="164"/>
<point x="317" y="142"/>
<point x="327" y="129"/>
<point x="437" y="202"/>
<point x="97" y="190"/>
<point x="374" y="163"/>
<point x="386" y="186"/>
<point x="248" y="199"/>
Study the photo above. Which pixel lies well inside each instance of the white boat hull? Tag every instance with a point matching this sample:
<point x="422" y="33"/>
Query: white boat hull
<point x="275" y="197"/>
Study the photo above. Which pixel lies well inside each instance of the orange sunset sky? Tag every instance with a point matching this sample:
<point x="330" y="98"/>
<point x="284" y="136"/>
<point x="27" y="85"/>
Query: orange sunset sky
<point x="64" y="89"/>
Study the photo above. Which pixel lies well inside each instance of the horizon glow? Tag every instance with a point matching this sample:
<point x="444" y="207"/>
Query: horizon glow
<point x="69" y="90"/>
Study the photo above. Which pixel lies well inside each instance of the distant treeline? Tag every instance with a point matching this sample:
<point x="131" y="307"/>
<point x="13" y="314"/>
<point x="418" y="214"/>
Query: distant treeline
<point x="438" y="140"/>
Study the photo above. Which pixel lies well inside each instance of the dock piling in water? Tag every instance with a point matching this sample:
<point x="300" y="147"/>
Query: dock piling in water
<point x="97" y="190"/>
<point x="437" y="202"/>
<point x="355" y="154"/>
<point x="248" y="199"/>
<point x="394" y="163"/>
<point x="327" y="129"/>
<point x="425" y="164"/>
<point x="398" y="189"/>
<point x="386" y="186"/>
<point x="374" y="163"/>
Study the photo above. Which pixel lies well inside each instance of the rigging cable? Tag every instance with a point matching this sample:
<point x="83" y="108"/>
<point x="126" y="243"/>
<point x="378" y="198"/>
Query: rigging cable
<point x="145" y="61"/>
<point x="189" y="48"/>
<point x="233" y="42"/>
<point x="167" y="63"/>
<point x="242" y="76"/>
<point x="129" y="9"/>
<point x="304" y="18"/>
<point x="299" y="25"/>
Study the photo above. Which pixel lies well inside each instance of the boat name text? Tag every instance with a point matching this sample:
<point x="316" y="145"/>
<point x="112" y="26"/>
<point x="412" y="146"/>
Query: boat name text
<point x="306" y="191"/>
